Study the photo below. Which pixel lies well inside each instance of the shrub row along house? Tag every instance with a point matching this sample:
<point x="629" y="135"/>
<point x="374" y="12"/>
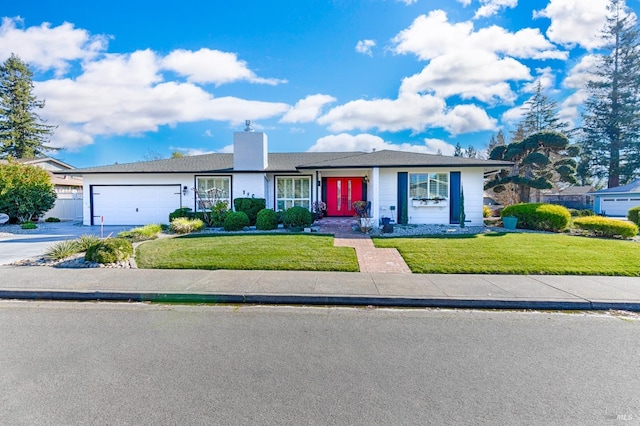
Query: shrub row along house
<point x="404" y="186"/>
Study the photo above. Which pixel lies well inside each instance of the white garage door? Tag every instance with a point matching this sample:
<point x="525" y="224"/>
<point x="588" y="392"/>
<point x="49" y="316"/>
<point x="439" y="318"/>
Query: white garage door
<point x="134" y="205"/>
<point x="618" y="206"/>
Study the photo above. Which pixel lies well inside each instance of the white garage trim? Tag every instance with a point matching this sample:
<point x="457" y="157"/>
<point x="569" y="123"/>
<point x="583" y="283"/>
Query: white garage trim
<point x="133" y="204"/>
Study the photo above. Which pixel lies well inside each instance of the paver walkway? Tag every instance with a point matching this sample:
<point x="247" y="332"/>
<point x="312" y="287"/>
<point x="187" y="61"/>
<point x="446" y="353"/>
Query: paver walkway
<point x="370" y="258"/>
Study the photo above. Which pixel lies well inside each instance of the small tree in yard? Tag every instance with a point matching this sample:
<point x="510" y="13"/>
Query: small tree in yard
<point x="25" y="191"/>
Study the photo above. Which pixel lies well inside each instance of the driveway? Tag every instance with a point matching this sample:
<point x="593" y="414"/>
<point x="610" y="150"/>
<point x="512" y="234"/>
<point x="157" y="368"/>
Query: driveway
<point x="17" y="244"/>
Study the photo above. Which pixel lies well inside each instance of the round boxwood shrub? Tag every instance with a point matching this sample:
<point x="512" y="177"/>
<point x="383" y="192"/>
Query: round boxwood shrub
<point x="110" y="250"/>
<point x="236" y="221"/>
<point x="297" y="217"/>
<point x="539" y="216"/>
<point x="606" y="227"/>
<point x="266" y="220"/>
<point x="634" y="215"/>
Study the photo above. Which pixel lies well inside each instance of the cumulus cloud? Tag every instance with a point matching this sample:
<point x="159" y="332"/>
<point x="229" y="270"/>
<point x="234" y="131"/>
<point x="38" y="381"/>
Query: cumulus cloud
<point x="366" y="142"/>
<point x="46" y="47"/>
<point x="470" y="63"/>
<point x="212" y="66"/>
<point x="307" y="109"/>
<point x="575" y="22"/>
<point x="409" y="111"/>
<point x="127" y="93"/>
<point x="365" y="46"/>
<point x="491" y="7"/>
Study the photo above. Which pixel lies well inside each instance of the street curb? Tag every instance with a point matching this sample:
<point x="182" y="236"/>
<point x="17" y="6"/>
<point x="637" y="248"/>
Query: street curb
<point x="268" y="299"/>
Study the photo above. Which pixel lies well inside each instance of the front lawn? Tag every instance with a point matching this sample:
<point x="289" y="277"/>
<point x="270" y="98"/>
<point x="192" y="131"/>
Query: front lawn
<point x="517" y="253"/>
<point x="266" y="251"/>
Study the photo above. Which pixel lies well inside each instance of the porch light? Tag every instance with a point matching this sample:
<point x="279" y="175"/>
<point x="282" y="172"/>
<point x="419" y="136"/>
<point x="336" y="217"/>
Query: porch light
<point x="185" y="190"/>
<point x="365" y="179"/>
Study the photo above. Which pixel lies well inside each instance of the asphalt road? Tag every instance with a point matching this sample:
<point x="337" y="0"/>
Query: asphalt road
<point x="92" y="363"/>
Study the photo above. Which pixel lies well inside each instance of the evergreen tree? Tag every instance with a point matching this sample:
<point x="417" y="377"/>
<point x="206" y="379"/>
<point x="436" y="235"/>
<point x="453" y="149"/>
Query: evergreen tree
<point x="458" y="150"/>
<point x="541" y="115"/>
<point x="611" y="121"/>
<point x="471" y="152"/>
<point x="23" y="134"/>
<point x="537" y="160"/>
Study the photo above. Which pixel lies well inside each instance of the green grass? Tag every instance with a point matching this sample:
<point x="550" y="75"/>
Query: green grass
<point x="517" y="253"/>
<point x="266" y="252"/>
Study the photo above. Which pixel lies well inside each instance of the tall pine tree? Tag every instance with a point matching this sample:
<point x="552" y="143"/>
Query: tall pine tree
<point x="23" y="134"/>
<point x="541" y="114"/>
<point x="611" y="121"/>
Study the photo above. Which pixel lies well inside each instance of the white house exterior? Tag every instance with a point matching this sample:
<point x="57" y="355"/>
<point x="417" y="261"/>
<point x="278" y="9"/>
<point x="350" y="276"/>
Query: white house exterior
<point x="404" y="186"/>
<point x="617" y="201"/>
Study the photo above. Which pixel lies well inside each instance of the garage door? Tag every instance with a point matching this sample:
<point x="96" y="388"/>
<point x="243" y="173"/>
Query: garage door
<point x="618" y="206"/>
<point x="134" y="204"/>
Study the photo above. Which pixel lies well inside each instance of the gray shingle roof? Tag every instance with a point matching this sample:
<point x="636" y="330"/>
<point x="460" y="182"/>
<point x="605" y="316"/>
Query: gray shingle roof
<point x="294" y="161"/>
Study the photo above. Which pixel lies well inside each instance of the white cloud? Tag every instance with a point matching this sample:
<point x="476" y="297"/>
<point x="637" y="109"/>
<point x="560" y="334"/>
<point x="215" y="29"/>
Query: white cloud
<point x="46" y="47"/>
<point x="491" y="7"/>
<point x="472" y="64"/>
<point x="307" y="109"/>
<point x="408" y="2"/>
<point x="575" y="21"/>
<point x="212" y="66"/>
<point x="409" y="111"/>
<point x="465" y="3"/>
<point x="125" y="94"/>
<point x="365" y="46"/>
<point x="512" y="115"/>
<point x="366" y="142"/>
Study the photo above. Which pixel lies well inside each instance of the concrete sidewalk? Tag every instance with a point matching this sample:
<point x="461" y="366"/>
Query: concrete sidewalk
<point x="553" y="292"/>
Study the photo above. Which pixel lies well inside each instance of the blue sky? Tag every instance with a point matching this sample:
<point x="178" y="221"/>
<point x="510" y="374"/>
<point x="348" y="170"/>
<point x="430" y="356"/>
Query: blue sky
<point x="124" y="80"/>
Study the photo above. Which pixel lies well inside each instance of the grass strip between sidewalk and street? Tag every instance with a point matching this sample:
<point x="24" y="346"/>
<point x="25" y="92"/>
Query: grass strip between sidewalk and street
<point x="283" y="252"/>
<point x="517" y="253"/>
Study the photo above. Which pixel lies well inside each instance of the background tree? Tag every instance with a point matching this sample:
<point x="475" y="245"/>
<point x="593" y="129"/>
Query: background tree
<point x="25" y="191"/>
<point x="23" y="134"/>
<point x="471" y="152"/>
<point x="539" y="159"/>
<point x="541" y="115"/>
<point x="611" y="121"/>
<point x="458" y="150"/>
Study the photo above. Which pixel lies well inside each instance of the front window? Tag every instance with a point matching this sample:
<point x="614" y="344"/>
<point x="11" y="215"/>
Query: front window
<point x="429" y="185"/>
<point x="212" y="189"/>
<point x="293" y="191"/>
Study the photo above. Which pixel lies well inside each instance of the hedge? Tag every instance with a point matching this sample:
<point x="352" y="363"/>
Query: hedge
<point x="634" y="215"/>
<point x="606" y="227"/>
<point x="267" y="220"/>
<point x="297" y="217"/>
<point x="236" y="221"/>
<point x="539" y="216"/>
<point x="250" y="207"/>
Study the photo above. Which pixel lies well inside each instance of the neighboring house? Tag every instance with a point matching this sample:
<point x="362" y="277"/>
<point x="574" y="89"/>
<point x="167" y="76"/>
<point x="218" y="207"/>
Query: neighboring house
<point x="67" y="186"/>
<point x="617" y="201"/>
<point x="572" y="197"/>
<point x="405" y="186"/>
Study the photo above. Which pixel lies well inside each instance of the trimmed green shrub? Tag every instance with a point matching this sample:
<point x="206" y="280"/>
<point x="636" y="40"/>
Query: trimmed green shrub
<point x="183" y="225"/>
<point x="266" y="220"/>
<point x="62" y="249"/>
<point x="249" y="206"/>
<point x="29" y="225"/>
<point x="110" y="250"/>
<point x="236" y="221"/>
<point x="52" y="219"/>
<point x="218" y="213"/>
<point x="297" y="217"/>
<point x="142" y="233"/>
<point x="606" y="227"/>
<point x="634" y="215"/>
<point x="86" y="241"/>
<point x="486" y="211"/>
<point x="181" y="212"/>
<point x="581" y="213"/>
<point x="539" y="216"/>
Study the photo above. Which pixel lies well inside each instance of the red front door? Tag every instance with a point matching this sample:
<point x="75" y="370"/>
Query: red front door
<point x="341" y="193"/>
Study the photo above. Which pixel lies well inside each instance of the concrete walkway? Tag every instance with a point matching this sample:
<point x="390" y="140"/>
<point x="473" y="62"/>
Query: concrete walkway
<point x="552" y="292"/>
